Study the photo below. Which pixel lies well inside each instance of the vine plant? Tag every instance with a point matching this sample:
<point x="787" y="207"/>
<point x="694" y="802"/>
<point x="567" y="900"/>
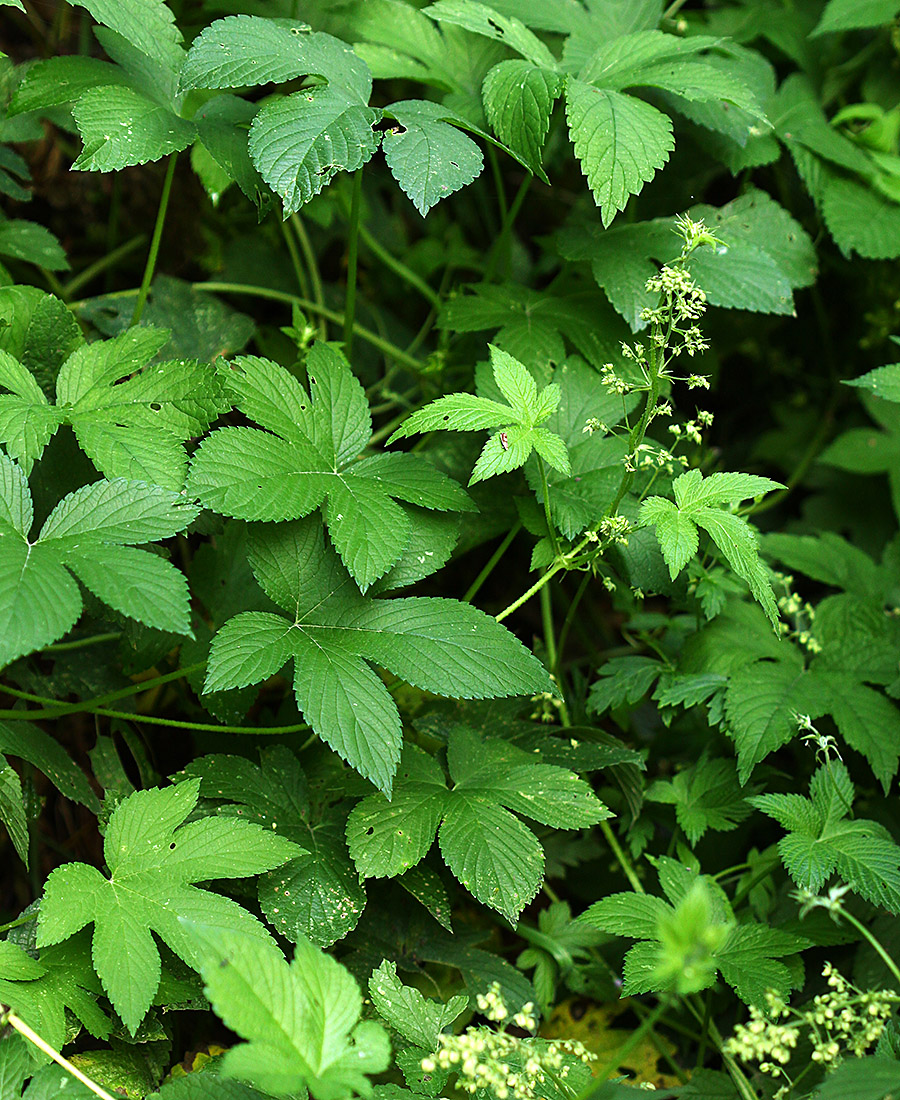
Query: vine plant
<point x="548" y="691"/>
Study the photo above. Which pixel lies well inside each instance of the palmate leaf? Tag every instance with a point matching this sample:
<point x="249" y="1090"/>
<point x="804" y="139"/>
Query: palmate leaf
<point x="492" y="853"/>
<point x="696" y="500"/>
<point x="300" y="1022"/>
<point x="134" y="428"/>
<point x="747" y="955"/>
<point x="316" y="895"/>
<point x="527" y="409"/>
<point x="43" y="990"/>
<point x="822" y="840"/>
<point x="153" y="859"/>
<point x="89" y="532"/>
<point x="705" y="796"/>
<point x="332" y="631"/>
<point x="428" y="156"/>
<point x="251" y="474"/>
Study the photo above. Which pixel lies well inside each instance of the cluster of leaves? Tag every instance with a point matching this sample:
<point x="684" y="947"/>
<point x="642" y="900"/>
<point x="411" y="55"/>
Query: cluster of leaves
<point x="609" y="685"/>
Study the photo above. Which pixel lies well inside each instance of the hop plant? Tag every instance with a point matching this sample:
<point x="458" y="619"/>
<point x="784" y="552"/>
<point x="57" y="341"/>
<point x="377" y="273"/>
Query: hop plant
<point x="840" y="1023"/>
<point x="510" y="1067"/>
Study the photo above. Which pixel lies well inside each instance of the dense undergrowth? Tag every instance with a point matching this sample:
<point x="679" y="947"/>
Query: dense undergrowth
<point x="449" y="567"/>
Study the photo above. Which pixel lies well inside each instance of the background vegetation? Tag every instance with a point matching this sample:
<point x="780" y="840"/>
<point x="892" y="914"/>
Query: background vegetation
<point x="449" y="568"/>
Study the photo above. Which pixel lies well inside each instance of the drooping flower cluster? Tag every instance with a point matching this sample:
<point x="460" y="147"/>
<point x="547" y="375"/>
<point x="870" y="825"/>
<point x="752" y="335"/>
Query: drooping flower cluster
<point x="511" y="1067"/>
<point x="843" y="1022"/>
<point x="801" y="614"/>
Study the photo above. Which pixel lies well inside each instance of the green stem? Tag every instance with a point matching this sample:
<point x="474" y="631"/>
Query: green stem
<point x="299" y="272"/>
<point x="535" y="588"/>
<point x="545" y="490"/>
<point x="363" y="333"/>
<point x="83" y="278"/>
<point x="17" y="923"/>
<point x="13" y="1021"/>
<point x="570" y="614"/>
<point x="492" y="562"/>
<point x="873" y="940"/>
<point x="498" y="182"/>
<point x="312" y="266"/>
<point x="624" y="862"/>
<point x="153" y="254"/>
<point x="352" y="256"/>
<point x="82" y="643"/>
<point x="206" y="727"/>
<point x="500" y="248"/>
<point x="743" y="1086"/>
<point x="57" y="709"/>
<point x="399" y="268"/>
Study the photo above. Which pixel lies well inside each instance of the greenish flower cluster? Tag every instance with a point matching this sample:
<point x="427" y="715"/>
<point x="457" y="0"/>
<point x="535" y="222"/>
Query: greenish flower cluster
<point x="510" y="1067"/>
<point x="843" y="1022"/>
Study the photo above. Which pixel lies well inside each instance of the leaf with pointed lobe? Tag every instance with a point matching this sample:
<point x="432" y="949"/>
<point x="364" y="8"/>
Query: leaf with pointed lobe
<point x="154" y="858"/>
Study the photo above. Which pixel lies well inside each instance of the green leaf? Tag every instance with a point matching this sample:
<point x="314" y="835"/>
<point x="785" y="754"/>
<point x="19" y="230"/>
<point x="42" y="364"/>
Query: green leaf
<point x="821" y="841"/>
<point x="418" y="1019"/>
<point x="436" y="644"/>
<point x="123" y="512"/>
<point x="133" y="428"/>
<point x="153" y="858"/>
<point x="847" y="15"/>
<point x="246" y="50"/>
<point x="300" y="1022"/>
<point x="705" y="796"/>
<point x="492" y="853"/>
<point x="47" y="992"/>
<point x="676" y="526"/>
<point x="527" y="408"/>
<point x="428" y="157"/>
<point x="147" y="24"/>
<point x="252" y="474"/>
<point x="883" y="382"/>
<point x="620" y="141"/>
<point x="388" y="838"/>
<point x="39" y="600"/>
<point x="874" y="1077"/>
<point x="28" y="742"/>
<point x="624" y="680"/>
<point x="138" y="585"/>
<point x="701" y="938"/>
<point x="316" y="895"/>
<point x="12" y="809"/>
<point x="761" y="705"/>
<point x="859" y="219"/>
<point x="121" y="127"/>
<point x="25" y="240"/>
<point x="485" y="20"/>
<point x="486" y="847"/>
<point x="766" y="256"/>
<point x="61" y="80"/>
<point x="518" y="101"/>
<point x="675" y="530"/>
<point x="298" y="144"/>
